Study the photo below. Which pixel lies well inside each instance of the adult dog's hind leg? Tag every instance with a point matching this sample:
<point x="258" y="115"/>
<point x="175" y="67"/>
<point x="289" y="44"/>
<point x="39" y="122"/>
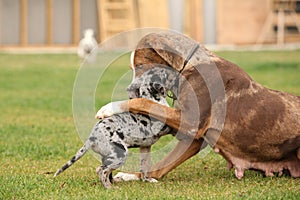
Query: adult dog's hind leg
<point x="184" y="150"/>
<point x="145" y="162"/>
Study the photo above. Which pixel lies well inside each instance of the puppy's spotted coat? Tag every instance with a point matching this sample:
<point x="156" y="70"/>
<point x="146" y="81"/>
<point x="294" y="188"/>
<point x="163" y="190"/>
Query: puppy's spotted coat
<point x="111" y="137"/>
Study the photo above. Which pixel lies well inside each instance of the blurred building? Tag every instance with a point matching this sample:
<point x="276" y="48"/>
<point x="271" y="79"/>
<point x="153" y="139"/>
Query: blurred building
<point x="61" y="23"/>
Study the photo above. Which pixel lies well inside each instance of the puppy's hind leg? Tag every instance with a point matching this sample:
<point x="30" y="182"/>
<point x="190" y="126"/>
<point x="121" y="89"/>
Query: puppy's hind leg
<point x="111" y="162"/>
<point x="145" y="164"/>
<point x="104" y="175"/>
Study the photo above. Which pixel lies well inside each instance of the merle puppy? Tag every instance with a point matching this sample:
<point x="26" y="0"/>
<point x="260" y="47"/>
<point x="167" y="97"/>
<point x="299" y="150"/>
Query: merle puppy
<point x="111" y="137"/>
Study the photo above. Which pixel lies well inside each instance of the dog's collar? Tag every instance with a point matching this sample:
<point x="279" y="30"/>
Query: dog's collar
<point x="187" y="59"/>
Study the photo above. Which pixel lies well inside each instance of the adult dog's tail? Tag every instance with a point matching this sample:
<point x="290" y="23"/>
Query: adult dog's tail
<point x="78" y="155"/>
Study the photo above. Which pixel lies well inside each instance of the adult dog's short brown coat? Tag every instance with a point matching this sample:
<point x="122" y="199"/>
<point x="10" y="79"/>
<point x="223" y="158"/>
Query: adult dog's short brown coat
<point x="251" y="126"/>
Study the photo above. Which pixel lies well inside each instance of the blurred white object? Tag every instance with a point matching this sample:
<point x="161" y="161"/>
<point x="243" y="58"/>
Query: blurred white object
<point x="86" y="45"/>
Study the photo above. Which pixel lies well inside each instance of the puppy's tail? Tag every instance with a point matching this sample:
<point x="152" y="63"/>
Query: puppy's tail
<point x="78" y="155"/>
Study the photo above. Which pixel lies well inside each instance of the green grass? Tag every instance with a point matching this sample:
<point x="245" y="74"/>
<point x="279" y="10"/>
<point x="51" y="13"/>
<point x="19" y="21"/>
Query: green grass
<point x="38" y="135"/>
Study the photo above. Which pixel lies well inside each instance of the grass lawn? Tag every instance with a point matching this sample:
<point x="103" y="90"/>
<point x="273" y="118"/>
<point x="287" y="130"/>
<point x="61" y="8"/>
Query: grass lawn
<point x="38" y="135"/>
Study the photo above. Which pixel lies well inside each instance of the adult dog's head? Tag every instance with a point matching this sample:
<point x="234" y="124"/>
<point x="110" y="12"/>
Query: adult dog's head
<point x="198" y="86"/>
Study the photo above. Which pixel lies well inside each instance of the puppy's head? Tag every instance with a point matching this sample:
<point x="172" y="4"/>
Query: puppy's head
<point x="146" y="87"/>
<point x="154" y="91"/>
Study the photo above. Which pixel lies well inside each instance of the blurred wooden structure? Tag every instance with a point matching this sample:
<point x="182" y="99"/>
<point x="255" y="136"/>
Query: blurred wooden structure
<point x="57" y="23"/>
<point x="115" y="16"/>
<point x="281" y="16"/>
<point x="193" y="21"/>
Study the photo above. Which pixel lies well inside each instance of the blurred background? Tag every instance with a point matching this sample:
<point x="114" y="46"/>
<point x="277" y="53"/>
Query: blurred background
<point x="39" y="70"/>
<point x="61" y="23"/>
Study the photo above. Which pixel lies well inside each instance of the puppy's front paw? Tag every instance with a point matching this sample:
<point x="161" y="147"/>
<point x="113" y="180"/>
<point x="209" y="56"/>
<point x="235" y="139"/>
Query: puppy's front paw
<point x="109" y="110"/>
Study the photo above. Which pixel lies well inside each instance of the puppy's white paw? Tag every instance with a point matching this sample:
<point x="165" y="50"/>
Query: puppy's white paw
<point x="109" y="110"/>
<point x="121" y="176"/>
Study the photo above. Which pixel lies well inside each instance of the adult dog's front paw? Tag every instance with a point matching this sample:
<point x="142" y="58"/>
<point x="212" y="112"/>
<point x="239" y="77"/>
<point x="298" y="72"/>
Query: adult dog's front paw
<point x="121" y="176"/>
<point x="150" y="180"/>
<point x="105" y="111"/>
<point x="109" y="110"/>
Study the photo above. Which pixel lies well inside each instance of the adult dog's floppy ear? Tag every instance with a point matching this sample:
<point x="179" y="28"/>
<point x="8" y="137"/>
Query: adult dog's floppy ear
<point x="160" y="47"/>
<point x="169" y="48"/>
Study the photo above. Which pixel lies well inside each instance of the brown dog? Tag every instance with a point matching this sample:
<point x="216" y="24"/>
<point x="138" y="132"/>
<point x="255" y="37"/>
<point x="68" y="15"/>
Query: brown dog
<point x="251" y="126"/>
